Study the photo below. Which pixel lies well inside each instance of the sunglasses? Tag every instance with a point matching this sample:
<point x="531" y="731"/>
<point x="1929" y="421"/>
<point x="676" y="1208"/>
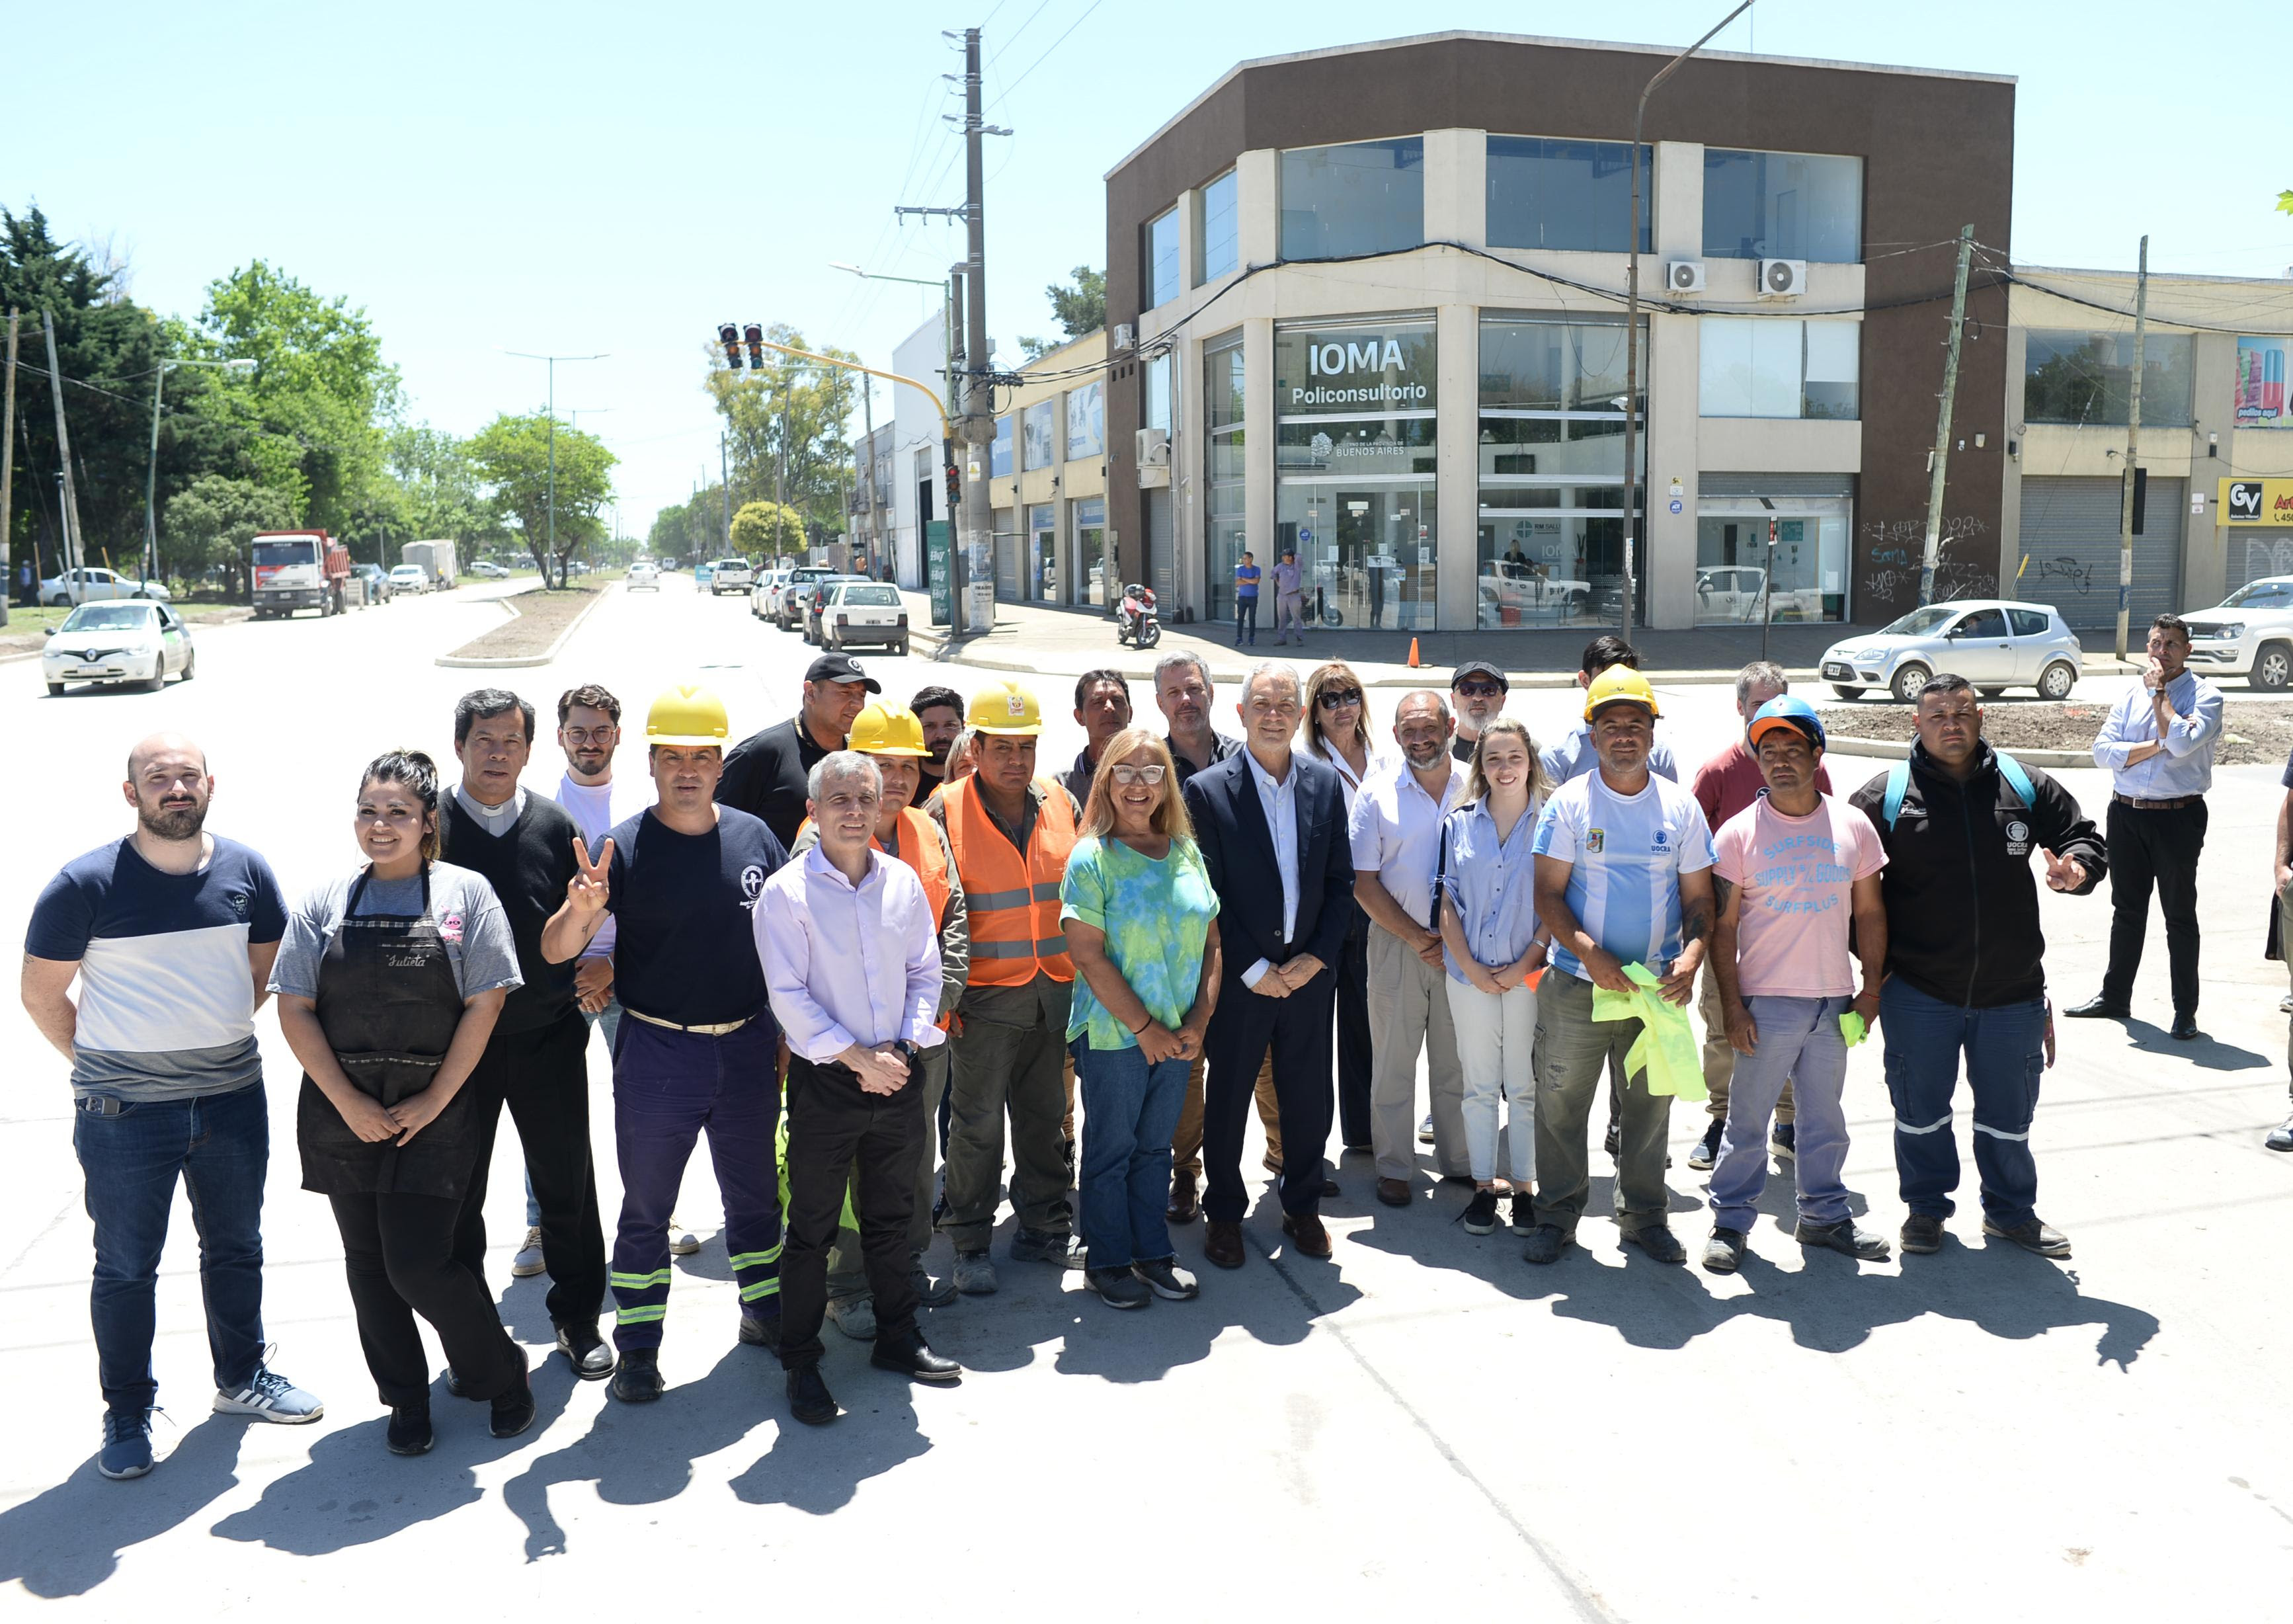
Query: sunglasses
<point x="1479" y="690"/>
<point x="1127" y="774"/>
<point x="1332" y="699"/>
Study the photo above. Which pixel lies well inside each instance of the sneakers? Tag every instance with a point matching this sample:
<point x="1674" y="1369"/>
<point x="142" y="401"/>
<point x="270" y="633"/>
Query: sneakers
<point x="2041" y="1238"/>
<point x="528" y="1261"/>
<point x="1658" y="1241"/>
<point x="1921" y="1233"/>
<point x="1119" y="1287"/>
<point x="409" y="1433"/>
<point x="1425" y="1131"/>
<point x="513" y="1409"/>
<point x="1045" y="1246"/>
<point x="1524" y="1213"/>
<point x="269" y="1396"/>
<point x="1783" y="1140"/>
<point x="1481" y="1212"/>
<point x="1546" y="1243"/>
<point x="126" y="1444"/>
<point x="931" y="1291"/>
<point x="1167" y="1281"/>
<point x="974" y="1274"/>
<point x="1707" y="1149"/>
<point x="1724" y="1254"/>
<point x="2280" y="1137"/>
<point x="855" y="1316"/>
<point x="682" y="1242"/>
<point x="638" y="1379"/>
<point x="1842" y="1236"/>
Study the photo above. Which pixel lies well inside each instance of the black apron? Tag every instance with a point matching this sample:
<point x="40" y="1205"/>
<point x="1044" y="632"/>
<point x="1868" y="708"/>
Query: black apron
<point x="389" y="1004"/>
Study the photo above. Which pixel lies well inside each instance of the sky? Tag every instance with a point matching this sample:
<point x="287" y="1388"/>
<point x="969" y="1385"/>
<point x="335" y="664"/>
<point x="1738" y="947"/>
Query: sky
<point x="589" y="179"/>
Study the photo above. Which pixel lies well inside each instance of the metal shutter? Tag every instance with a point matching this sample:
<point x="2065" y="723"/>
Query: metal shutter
<point x="2252" y="554"/>
<point x="2070" y="550"/>
<point x="1161" y="554"/>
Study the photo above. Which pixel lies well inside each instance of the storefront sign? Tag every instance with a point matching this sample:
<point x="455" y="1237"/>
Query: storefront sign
<point x="2257" y="502"/>
<point x="1391" y="366"/>
<point x="2262" y="402"/>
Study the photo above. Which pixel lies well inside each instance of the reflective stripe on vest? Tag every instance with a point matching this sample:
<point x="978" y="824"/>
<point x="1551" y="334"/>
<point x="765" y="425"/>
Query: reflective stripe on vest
<point x="1012" y="901"/>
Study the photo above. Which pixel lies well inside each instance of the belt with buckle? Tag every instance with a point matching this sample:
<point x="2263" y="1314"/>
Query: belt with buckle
<point x="714" y="1028"/>
<point x="2167" y="805"/>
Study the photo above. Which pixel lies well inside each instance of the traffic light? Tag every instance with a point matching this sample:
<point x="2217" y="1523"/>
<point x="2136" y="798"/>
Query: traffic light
<point x="755" y="334"/>
<point x="729" y="336"/>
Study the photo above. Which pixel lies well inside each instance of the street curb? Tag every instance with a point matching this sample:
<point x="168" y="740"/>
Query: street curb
<point x="1887" y="750"/>
<point x="515" y="661"/>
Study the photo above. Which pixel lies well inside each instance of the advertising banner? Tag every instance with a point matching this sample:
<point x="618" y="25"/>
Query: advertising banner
<point x="2261" y="378"/>
<point x="2257" y="501"/>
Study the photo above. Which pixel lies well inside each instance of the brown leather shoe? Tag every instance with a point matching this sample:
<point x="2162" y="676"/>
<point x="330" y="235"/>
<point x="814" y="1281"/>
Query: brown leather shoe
<point x="1185" y="1206"/>
<point x="1393" y="1192"/>
<point x="1306" y="1232"/>
<point x="1222" y="1243"/>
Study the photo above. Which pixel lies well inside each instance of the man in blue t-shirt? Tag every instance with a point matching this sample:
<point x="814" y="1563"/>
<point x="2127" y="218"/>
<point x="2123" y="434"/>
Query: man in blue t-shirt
<point x="171" y="931"/>
<point x="1246" y="577"/>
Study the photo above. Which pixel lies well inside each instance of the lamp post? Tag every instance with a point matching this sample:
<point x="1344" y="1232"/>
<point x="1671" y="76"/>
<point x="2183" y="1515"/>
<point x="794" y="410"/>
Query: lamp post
<point x="1633" y="313"/>
<point x="150" y="561"/>
<point x="553" y="361"/>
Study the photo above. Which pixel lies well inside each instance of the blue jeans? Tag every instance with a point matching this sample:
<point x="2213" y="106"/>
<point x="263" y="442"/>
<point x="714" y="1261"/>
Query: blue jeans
<point x="220" y="1146"/>
<point x="610" y="1018"/>
<point x="2005" y="1056"/>
<point x="1798" y="1044"/>
<point x="1245" y="618"/>
<point x="1129" y="1110"/>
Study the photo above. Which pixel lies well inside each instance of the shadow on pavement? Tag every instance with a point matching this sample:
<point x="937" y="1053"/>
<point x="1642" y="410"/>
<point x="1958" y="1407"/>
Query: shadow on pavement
<point x="2205" y="1051"/>
<point x="69" y="1540"/>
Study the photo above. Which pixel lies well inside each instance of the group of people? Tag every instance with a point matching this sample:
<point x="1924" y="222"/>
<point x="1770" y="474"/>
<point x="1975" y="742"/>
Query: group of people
<point x="871" y="948"/>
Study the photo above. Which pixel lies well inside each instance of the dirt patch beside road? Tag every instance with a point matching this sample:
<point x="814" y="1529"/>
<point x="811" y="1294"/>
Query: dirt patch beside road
<point x="2257" y="730"/>
<point x="541" y="619"/>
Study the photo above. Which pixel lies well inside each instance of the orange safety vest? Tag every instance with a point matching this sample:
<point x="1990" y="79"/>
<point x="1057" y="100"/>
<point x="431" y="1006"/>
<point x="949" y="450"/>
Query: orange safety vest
<point x="1012" y="900"/>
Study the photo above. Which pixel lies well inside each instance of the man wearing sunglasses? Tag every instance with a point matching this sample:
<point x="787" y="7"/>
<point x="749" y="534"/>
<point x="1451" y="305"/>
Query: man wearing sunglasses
<point x="1477" y="692"/>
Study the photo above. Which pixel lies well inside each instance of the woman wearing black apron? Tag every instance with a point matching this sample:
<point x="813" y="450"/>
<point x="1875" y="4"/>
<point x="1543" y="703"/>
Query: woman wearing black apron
<point x="389" y="983"/>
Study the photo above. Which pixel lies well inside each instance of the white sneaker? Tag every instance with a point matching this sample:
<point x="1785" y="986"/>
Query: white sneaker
<point x="682" y="1242"/>
<point x="269" y="1396"/>
<point x="528" y="1261"/>
<point x="1425" y="1131"/>
<point x="855" y="1316"/>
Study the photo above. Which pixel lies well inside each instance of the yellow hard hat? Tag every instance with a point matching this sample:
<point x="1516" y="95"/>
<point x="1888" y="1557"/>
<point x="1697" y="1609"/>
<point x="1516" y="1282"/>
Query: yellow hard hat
<point x="1009" y="710"/>
<point x="1619" y="682"/>
<point x="687" y="714"/>
<point x="886" y="730"/>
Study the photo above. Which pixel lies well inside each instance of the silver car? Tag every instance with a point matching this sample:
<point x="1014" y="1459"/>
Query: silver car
<point x="1995" y="644"/>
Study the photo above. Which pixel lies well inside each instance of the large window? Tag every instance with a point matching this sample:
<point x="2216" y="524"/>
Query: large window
<point x="1156" y="410"/>
<point x="1087" y="420"/>
<point x="1355" y="411"/>
<point x="1093" y="567"/>
<point x="1782" y="205"/>
<point x="1367" y="196"/>
<point x="1217" y="238"/>
<point x="1038" y="434"/>
<point x="1227" y="517"/>
<point x="1160" y="252"/>
<point x="999" y="450"/>
<point x="1551" y="545"/>
<point x="1041" y="581"/>
<point x="1776" y="367"/>
<point x="1565" y="194"/>
<point x="1781" y="555"/>
<point x="2085" y="377"/>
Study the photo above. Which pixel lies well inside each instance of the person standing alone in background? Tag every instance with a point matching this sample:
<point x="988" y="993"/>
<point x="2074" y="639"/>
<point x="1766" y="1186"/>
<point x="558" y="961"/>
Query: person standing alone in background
<point x="1289" y="598"/>
<point x="1246" y="576"/>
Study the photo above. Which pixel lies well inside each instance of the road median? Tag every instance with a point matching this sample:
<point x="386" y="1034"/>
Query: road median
<point x="539" y="625"/>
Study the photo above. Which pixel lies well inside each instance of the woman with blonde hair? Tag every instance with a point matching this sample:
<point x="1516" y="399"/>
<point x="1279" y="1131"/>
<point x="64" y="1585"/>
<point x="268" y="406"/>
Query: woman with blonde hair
<point x="1491" y="941"/>
<point x="1141" y="923"/>
<point x="1334" y="727"/>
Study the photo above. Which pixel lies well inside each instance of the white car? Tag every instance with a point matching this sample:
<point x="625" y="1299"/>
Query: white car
<point x="2249" y="634"/>
<point x="489" y="570"/>
<point x="94" y="586"/>
<point x="764" y="597"/>
<point x="409" y="578"/>
<point x="867" y="612"/>
<point x="730" y="575"/>
<point x="1733" y="592"/>
<point x="644" y="576"/>
<point x="144" y="643"/>
<point x="1995" y="644"/>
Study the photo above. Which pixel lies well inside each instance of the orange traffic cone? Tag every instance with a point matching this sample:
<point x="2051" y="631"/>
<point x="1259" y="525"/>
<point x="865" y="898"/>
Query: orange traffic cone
<point x="1413" y="653"/>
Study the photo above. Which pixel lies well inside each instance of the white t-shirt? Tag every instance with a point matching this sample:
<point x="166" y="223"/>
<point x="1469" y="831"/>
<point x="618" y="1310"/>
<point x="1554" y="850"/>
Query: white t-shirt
<point x="597" y="807"/>
<point x="1628" y="853"/>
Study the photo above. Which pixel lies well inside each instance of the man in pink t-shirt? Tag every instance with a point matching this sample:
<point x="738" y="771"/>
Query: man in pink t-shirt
<point x="1792" y="870"/>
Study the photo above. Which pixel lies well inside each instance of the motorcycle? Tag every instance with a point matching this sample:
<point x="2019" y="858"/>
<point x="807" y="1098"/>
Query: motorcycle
<point x="1136" y="622"/>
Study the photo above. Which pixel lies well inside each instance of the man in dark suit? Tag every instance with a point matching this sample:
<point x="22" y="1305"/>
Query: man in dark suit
<point x="1272" y="829"/>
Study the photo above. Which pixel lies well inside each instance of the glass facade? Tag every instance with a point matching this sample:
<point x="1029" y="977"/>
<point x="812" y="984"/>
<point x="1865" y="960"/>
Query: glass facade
<point x="1038" y="435"/>
<point x="1355" y="406"/>
<point x="1087" y="420"/>
<point x="1734" y="559"/>
<point x="1573" y="194"/>
<point x="1040" y="580"/>
<point x="1782" y="205"/>
<point x="1226" y="513"/>
<point x="999" y="450"/>
<point x="2076" y="376"/>
<point x="1218" y="235"/>
<point x="1093" y="568"/>
<point x="1551" y="545"/>
<point x="1366" y="197"/>
<point x="1777" y="367"/>
<point x="1159" y="254"/>
<point x="1155" y="411"/>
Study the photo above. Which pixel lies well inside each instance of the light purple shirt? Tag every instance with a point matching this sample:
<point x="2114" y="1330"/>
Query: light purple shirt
<point x="848" y="964"/>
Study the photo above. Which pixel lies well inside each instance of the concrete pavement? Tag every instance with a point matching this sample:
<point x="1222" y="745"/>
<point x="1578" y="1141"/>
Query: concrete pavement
<point x="1424" y="1421"/>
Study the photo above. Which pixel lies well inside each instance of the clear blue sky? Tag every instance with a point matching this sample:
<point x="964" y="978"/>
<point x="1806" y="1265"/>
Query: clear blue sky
<point x="584" y="177"/>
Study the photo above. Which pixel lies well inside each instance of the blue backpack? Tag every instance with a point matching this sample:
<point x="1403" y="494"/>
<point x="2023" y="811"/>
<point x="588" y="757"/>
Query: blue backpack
<point x="1899" y="783"/>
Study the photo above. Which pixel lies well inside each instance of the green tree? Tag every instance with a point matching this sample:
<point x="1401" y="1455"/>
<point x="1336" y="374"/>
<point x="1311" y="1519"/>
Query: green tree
<point x="766" y="530"/>
<point x="212" y="519"/>
<point x="787" y="428"/>
<point x="511" y="457"/>
<point x="1079" y="309"/>
<point x="442" y="491"/>
<point x="2285" y="202"/>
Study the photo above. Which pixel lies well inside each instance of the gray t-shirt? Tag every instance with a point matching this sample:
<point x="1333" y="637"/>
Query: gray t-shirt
<point x="469" y="917"/>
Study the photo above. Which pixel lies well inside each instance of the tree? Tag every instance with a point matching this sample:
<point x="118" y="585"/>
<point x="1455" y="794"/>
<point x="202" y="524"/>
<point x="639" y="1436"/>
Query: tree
<point x="2285" y="202"/>
<point x="213" y="520"/>
<point x="512" y="454"/>
<point x="766" y="530"/>
<point x="787" y="427"/>
<point x="441" y="493"/>
<point x="1079" y="309"/>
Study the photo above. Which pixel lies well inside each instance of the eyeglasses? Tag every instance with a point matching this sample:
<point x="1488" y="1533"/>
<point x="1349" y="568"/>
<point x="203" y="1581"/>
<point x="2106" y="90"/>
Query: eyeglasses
<point x="1479" y="690"/>
<point x="583" y="735"/>
<point x="1126" y="773"/>
<point x="1332" y="699"/>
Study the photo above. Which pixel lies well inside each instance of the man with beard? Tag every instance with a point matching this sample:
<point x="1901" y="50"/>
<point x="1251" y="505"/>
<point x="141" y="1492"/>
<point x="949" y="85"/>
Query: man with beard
<point x="171" y="931"/>
<point x="941" y="713"/>
<point x="766" y="773"/>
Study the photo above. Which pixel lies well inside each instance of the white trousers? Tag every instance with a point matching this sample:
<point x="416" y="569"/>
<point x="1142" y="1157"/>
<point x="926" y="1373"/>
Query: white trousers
<point x="1496" y="1034"/>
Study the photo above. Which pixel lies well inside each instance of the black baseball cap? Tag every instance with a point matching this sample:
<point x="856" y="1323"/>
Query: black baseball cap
<point x="1479" y="668"/>
<point x="841" y="668"/>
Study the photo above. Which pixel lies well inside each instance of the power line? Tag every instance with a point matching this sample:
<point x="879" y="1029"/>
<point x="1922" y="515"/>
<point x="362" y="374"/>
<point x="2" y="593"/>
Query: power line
<point x="1039" y="62"/>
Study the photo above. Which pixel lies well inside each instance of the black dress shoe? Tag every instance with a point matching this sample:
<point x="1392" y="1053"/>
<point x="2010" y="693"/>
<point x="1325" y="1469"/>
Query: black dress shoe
<point x="2098" y="1008"/>
<point x="585" y="1351"/>
<point x="1329" y="1185"/>
<point x="809" y="1400"/>
<point x="2185" y="1026"/>
<point x="910" y="1356"/>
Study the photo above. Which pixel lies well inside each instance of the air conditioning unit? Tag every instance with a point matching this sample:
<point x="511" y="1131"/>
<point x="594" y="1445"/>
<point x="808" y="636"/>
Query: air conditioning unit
<point x="1782" y="278"/>
<point x="1124" y="334"/>
<point x="1684" y="276"/>
<point x="1152" y="446"/>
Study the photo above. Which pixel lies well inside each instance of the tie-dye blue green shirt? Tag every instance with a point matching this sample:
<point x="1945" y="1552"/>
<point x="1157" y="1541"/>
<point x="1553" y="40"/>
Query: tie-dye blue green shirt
<point x="1155" y="917"/>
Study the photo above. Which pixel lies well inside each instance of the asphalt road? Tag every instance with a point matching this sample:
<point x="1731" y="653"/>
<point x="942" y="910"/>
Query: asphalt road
<point x="1423" y="1422"/>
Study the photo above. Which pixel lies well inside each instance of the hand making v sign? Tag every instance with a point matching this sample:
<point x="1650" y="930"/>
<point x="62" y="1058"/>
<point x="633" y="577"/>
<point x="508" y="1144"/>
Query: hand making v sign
<point x="588" y="889"/>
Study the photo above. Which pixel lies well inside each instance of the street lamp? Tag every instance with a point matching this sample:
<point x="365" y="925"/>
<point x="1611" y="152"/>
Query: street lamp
<point x="150" y="561"/>
<point x="553" y="361"/>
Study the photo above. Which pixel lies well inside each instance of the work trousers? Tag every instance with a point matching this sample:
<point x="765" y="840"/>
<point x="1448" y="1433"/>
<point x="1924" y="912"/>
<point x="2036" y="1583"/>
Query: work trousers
<point x="1795" y="1038"/>
<point x="1720" y="1056"/>
<point x="1186" y="1138"/>
<point x="1409" y="1011"/>
<point x="1130" y="1108"/>
<point x="1002" y="1068"/>
<point x="1496" y="1039"/>
<point x="2154" y="847"/>
<point x="1572" y="1048"/>
<point x="220" y="1146"/>
<point x="400" y="1257"/>
<point x="1296" y="1029"/>
<point x="609" y="1021"/>
<point x="1245" y="618"/>
<point x="543" y="1076"/>
<point x="840" y="1136"/>
<point x="1290" y="615"/>
<point x="1356" y="1050"/>
<point x="848" y="1269"/>
<point x="667" y="1087"/>
<point x="2006" y="1056"/>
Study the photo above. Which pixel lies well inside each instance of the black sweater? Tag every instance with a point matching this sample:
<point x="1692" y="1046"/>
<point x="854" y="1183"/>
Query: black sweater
<point x="529" y="868"/>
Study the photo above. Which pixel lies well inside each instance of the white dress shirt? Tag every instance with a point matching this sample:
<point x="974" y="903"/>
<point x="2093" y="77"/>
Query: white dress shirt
<point x="847" y="964"/>
<point x="599" y="808"/>
<point x="1351" y="780"/>
<point x="1278" y="800"/>
<point x="1395" y="831"/>
<point x="2184" y="766"/>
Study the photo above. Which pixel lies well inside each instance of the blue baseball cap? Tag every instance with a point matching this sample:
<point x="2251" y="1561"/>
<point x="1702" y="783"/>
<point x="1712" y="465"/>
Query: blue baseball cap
<point x="1785" y="711"/>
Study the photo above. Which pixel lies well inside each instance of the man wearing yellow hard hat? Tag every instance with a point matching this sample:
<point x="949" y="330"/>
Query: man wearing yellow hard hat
<point x="1010" y="832"/>
<point x="699" y="1050"/>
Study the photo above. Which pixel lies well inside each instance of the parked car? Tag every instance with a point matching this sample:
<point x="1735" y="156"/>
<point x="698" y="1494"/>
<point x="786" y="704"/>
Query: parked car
<point x="95" y="586"/>
<point x="812" y="598"/>
<point x="489" y="570"/>
<point x="1733" y="592"/>
<point x="730" y="575"/>
<point x="2249" y="634"/>
<point x="379" y="586"/>
<point x="643" y="577"/>
<point x="1512" y="593"/>
<point x="766" y="593"/>
<point x="409" y="578"/>
<point x="118" y="642"/>
<point x="790" y="615"/>
<point x="1994" y="642"/>
<point x="863" y="611"/>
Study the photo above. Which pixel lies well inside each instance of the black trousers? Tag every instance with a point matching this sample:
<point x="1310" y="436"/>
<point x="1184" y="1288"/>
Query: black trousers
<point x="1297" y="1028"/>
<point x="837" y="1134"/>
<point x="398" y="1254"/>
<point x="1353" y="1034"/>
<point x="543" y="1076"/>
<point x="2154" y="847"/>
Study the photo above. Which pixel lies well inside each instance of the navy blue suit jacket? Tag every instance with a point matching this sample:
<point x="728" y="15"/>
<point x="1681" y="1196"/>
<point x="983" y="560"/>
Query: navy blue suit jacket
<point x="1238" y="849"/>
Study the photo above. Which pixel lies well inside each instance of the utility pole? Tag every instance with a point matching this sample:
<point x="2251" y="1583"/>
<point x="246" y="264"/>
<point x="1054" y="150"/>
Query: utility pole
<point x="73" y="540"/>
<point x="8" y="476"/>
<point x="780" y="474"/>
<point x="552" y="361"/>
<point x="2133" y="441"/>
<point x="1939" y="461"/>
<point x="725" y="478"/>
<point x="868" y="418"/>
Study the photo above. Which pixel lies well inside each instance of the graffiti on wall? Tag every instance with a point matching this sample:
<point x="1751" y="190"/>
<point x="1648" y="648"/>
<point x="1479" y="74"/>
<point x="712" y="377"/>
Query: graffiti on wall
<point x="1893" y="553"/>
<point x="2267" y="556"/>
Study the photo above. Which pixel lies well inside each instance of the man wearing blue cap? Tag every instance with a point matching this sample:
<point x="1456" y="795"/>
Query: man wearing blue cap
<point x="1790" y="871"/>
